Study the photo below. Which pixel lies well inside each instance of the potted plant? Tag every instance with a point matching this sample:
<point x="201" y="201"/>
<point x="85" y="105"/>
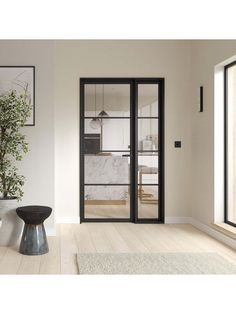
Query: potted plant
<point x="15" y="108"/>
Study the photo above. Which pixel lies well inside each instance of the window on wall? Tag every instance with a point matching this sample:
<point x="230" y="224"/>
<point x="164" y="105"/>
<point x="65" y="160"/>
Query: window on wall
<point x="230" y="143"/>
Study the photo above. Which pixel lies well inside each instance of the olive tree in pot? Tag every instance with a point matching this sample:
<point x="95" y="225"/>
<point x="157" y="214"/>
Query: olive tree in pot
<point x="14" y="111"/>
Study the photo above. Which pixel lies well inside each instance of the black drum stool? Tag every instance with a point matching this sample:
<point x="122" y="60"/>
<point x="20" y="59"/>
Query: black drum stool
<point x="34" y="239"/>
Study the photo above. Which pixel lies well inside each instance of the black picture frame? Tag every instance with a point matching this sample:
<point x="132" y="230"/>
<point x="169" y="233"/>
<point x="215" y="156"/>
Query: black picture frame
<point x="29" y="76"/>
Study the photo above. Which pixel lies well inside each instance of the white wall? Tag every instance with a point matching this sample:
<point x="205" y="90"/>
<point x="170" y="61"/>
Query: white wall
<point x="185" y="65"/>
<point x="168" y="59"/>
<point x="205" y="56"/>
<point x="38" y="164"/>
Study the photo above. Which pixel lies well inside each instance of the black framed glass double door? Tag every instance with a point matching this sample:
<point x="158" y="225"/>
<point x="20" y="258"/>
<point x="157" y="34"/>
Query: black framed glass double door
<point x="122" y="150"/>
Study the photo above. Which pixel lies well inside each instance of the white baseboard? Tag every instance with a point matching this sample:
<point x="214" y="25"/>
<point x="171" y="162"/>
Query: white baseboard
<point x="203" y="227"/>
<point x="177" y="220"/>
<point x="214" y="233"/>
<point x="67" y="220"/>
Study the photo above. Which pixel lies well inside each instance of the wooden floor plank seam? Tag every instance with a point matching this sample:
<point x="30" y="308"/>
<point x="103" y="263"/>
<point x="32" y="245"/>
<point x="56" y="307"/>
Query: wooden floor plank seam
<point x="111" y="238"/>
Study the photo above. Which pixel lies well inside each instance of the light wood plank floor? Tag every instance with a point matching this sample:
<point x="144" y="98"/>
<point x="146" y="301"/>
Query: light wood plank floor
<point x="109" y="237"/>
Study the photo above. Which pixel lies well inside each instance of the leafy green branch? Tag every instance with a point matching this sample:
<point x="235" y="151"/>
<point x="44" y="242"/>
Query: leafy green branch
<point x="14" y="112"/>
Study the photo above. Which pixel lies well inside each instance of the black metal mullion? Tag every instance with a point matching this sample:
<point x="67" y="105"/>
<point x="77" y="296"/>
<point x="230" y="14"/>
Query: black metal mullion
<point x="81" y="151"/>
<point x="149" y="221"/>
<point x="119" y="184"/>
<point x="148" y="184"/>
<point x="148" y="151"/>
<point x="161" y="148"/>
<point x="148" y="118"/>
<point x="160" y="83"/>
<point x="135" y="113"/>
<point x="106" y="80"/>
<point x="106" y="220"/>
<point x="225" y="149"/>
<point x="106" y="184"/>
<point x="133" y="201"/>
<point x="104" y="118"/>
<point x="114" y="151"/>
<point x="120" y="80"/>
<point x="135" y="150"/>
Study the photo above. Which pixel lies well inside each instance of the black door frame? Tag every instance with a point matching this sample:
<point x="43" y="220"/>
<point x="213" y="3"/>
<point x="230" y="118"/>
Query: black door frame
<point x="226" y="220"/>
<point x="133" y="82"/>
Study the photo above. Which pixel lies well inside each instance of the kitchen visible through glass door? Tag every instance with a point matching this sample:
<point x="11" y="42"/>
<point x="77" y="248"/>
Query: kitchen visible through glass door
<point x="106" y="149"/>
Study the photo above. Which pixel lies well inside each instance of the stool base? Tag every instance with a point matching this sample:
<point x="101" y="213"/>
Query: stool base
<point x="34" y="240"/>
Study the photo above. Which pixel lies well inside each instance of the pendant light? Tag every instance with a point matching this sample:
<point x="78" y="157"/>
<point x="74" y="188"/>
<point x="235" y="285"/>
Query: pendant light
<point x="95" y="123"/>
<point x="103" y="113"/>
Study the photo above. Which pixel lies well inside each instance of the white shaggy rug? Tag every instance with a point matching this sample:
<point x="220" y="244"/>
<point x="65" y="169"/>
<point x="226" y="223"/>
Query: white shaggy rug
<point x="153" y="263"/>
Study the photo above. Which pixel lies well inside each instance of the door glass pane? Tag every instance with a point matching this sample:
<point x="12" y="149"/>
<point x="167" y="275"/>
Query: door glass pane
<point x="147" y="201"/>
<point x="114" y="99"/>
<point x="107" y="168"/>
<point x="147" y="134"/>
<point x="148" y="157"/>
<point x="148" y="168"/>
<point x="107" y="151"/>
<point x="231" y="144"/>
<point x="148" y="100"/>
<point x="112" y="134"/>
<point x="107" y="201"/>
